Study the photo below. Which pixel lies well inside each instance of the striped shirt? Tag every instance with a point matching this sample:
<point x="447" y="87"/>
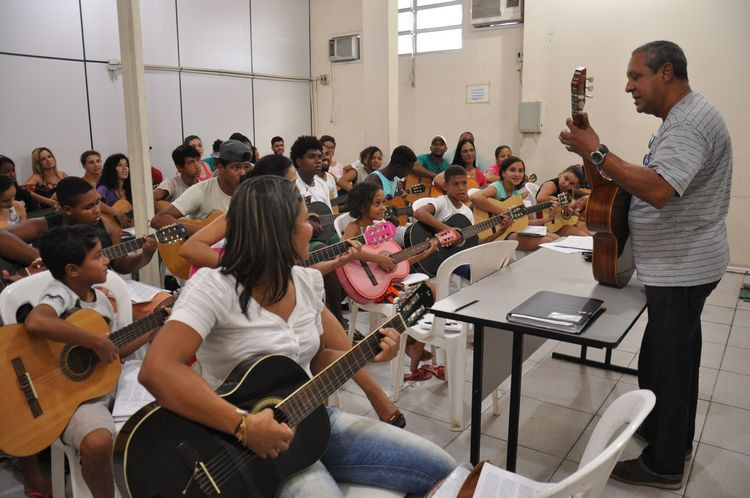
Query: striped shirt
<point x="685" y="242"/>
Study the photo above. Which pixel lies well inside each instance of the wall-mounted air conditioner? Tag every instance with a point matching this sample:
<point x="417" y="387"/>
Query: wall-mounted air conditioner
<point x="488" y="13"/>
<point x="343" y="48"/>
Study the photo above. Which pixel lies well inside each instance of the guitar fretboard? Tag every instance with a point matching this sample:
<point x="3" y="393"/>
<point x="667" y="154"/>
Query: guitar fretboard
<point x="411" y="251"/>
<point x="497" y="219"/>
<point x="138" y="328"/>
<point x="329" y="252"/>
<point x="123" y="248"/>
<point x="316" y="391"/>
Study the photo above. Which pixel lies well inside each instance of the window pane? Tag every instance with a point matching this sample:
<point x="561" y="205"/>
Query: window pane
<point x="404" y="21"/>
<point x="404" y="44"/>
<point x="404" y="4"/>
<point x="450" y="39"/>
<point x="420" y="3"/>
<point x="440" y="16"/>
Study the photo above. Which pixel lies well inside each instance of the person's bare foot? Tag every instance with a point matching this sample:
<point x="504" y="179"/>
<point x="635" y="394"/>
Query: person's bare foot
<point x="415" y="351"/>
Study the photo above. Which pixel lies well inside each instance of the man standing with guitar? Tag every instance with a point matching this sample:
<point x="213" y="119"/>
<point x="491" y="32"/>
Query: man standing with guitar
<point x="680" y="257"/>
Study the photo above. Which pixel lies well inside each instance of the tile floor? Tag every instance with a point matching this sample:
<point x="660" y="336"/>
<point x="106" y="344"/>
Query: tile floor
<point x="562" y="402"/>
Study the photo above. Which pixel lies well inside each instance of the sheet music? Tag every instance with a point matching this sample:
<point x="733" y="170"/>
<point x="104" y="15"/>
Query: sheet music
<point x="497" y="483"/>
<point x="142" y="293"/>
<point x="131" y="395"/>
<point x="535" y="231"/>
<point x="571" y="244"/>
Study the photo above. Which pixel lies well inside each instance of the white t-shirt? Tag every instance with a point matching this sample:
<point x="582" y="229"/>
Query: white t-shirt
<point x="318" y="192"/>
<point x="337" y="169"/>
<point x="444" y="208"/>
<point x="62" y="299"/>
<point x="174" y="187"/>
<point x="202" y="199"/>
<point x="332" y="186"/>
<point x="210" y="305"/>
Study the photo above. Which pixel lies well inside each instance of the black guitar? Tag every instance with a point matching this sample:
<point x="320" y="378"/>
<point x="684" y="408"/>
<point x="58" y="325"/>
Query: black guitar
<point x="161" y="454"/>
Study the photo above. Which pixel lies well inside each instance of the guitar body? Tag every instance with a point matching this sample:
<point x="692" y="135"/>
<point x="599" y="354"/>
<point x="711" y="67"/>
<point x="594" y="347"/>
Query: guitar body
<point x="413" y="180"/>
<point x="170" y="253"/>
<point x="328" y="230"/>
<point x="518" y="225"/>
<point x="561" y="220"/>
<point x="365" y="281"/>
<point x="63" y="377"/>
<point x="399" y="204"/>
<point x="419" y="232"/>
<point x="606" y="210"/>
<point x="123" y="206"/>
<point x="607" y="218"/>
<point x="157" y="451"/>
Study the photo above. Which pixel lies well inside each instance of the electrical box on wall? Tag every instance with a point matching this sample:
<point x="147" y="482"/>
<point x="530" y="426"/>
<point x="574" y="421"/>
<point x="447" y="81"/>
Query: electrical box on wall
<point x="530" y="117"/>
<point x="343" y="48"/>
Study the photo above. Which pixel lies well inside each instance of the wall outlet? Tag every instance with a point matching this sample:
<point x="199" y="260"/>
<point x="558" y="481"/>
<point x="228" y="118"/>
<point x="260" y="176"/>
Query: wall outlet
<point x="323" y="78"/>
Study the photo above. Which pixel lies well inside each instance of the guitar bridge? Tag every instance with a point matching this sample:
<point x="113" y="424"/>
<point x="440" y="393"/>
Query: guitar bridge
<point x="200" y="474"/>
<point x="27" y="386"/>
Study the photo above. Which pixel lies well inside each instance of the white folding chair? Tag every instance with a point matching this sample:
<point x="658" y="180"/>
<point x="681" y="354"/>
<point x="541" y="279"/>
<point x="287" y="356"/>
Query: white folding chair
<point x="600" y="455"/>
<point x="340" y="223"/>
<point x="28" y="291"/>
<point x="532" y="188"/>
<point x="482" y="260"/>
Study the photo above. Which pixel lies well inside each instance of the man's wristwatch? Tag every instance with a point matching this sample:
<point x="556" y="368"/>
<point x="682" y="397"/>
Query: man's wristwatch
<point x="597" y="157"/>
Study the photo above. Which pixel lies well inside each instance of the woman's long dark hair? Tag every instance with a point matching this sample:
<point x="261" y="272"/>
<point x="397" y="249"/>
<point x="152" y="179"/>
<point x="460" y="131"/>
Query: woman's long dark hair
<point x="109" y="174"/>
<point x="261" y="221"/>
<point x="457" y="159"/>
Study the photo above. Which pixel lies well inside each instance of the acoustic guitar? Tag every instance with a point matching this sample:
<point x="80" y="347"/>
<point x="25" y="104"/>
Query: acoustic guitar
<point x="374" y="234"/>
<point x="160" y="453"/>
<point x="45" y="381"/>
<point x="365" y="281"/>
<point x="607" y="209"/>
<point x="417" y="187"/>
<point x="518" y="212"/>
<point x="563" y="219"/>
<point x="125" y="207"/>
<point x="170" y="253"/>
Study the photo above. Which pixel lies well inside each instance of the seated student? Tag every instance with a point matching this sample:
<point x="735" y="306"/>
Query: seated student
<point x="467" y="157"/>
<point x="502" y="153"/>
<point x="11" y="210"/>
<point x="195" y="142"/>
<point x="43" y="182"/>
<point x="203" y="198"/>
<point x="329" y="149"/>
<point x="253" y="292"/>
<point x="512" y="173"/>
<point x="91" y="161"/>
<point x="390" y="178"/>
<point x="450" y="154"/>
<point x="80" y="206"/>
<point x="114" y="185"/>
<point x="74" y="256"/>
<point x="568" y="181"/>
<point x="277" y="145"/>
<point x="328" y="177"/>
<point x="370" y="159"/>
<point x="210" y="160"/>
<point x="432" y="164"/>
<point x="8" y="168"/>
<point x="434" y="211"/>
<point x="187" y="161"/>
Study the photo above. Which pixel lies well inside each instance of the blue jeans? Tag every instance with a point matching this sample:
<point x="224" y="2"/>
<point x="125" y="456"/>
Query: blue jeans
<point x="668" y="365"/>
<point x="366" y="451"/>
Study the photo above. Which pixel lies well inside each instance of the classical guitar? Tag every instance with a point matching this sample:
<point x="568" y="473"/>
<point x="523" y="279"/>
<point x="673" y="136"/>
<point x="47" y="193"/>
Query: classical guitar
<point x="170" y="253"/>
<point x="563" y="219"/>
<point x="159" y="453"/>
<point x="417" y="187"/>
<point x="374" y="234"/>
<point x="518" y="212"/>
<point x="125" y="207"/>
<point x="365" y="281"/>
<point x="399" y="208"/>
<point x="45" y="381"/>
<point x="607" y="209"/>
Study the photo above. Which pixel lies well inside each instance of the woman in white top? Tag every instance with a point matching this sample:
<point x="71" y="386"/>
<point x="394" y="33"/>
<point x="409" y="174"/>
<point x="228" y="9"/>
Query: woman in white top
<point x="258" y="303"/>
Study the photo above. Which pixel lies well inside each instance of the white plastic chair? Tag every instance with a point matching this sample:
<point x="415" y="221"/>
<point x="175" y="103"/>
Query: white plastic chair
<point x="29" y="290"/>
<point x="483" y="260"/>
<point x="532" y="188"/>
<point x="600" y="456"/>
<point x="341" y="222"/>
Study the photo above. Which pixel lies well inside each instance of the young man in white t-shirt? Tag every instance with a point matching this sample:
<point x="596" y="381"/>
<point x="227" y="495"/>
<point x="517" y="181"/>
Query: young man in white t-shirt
<point x="203" y="198"/>
<point x="187" y="160"/>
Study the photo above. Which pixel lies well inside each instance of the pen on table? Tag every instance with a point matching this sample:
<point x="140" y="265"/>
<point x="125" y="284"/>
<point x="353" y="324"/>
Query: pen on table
<point x="466" y="305"/>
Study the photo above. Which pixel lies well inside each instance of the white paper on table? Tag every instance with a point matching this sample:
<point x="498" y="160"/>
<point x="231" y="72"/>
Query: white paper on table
<point x="535" y="231"/>
<point x="142" y="293"/>
<point x="497" y="483"/>
<point x="554" y="247"/>
<point x="580" y="243"/>
<point x="131" y="395"/>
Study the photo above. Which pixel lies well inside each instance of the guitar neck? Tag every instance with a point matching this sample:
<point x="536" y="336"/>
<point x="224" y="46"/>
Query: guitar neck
<point x="411" y="251"/>
<point x="316" y="391"/>
<point x="515" y="214"/>
<point x="124" y="336"/>
<point x="330" y="252"/>
<point x="123" y="248"/>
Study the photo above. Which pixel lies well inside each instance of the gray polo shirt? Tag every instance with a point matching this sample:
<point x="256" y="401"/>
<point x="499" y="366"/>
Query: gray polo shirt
<point x="685" y="242"/>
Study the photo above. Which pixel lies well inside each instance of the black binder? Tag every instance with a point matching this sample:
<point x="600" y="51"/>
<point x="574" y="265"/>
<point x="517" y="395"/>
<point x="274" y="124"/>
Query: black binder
<point x="555" y="311"/>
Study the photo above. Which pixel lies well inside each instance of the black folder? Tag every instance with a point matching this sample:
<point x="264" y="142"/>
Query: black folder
<point x="555" y="311"/>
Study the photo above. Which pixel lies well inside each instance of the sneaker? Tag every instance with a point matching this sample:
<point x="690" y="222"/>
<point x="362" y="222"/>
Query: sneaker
<point x="635" y="472"/>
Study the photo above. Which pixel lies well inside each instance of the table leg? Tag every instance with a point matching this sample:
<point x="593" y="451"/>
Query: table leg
<point x="604" y="365"/>
<point x="476" y="394"/>
<point x="515" y="401"/>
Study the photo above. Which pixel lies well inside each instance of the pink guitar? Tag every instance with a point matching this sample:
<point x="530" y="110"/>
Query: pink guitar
<point x="365" y="281"/>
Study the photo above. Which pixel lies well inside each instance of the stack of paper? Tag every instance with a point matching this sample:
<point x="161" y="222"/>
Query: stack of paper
<point x="572" y="244"/>
<point x="131" y="395"/>
<point x="497" y="483"/>
<point x="142" y="293"/>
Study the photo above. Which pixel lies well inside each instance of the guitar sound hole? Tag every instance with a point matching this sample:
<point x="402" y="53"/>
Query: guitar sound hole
<point x="77" y="363"/>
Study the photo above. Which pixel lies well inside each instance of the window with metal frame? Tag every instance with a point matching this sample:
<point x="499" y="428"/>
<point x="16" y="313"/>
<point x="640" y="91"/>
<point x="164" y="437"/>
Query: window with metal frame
<point x="429" y="26"/>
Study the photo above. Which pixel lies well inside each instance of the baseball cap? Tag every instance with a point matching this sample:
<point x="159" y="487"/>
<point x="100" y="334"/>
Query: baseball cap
<point x="233" y="151"/>
<point x="440" y="137"/>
